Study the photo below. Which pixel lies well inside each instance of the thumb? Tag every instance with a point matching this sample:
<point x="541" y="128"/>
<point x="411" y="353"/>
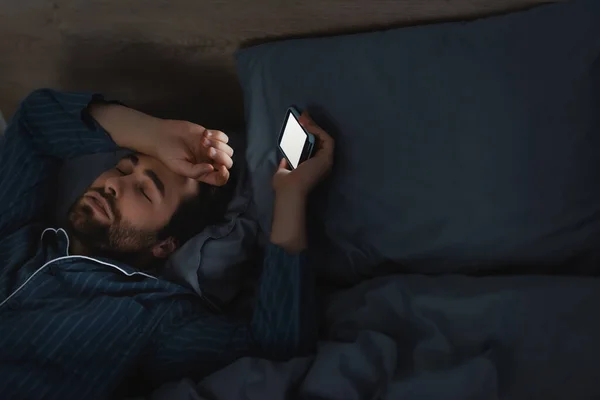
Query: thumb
<point x="306" y="119"/>
<point x="194" y="171"/>
<point x="283" y="164"/>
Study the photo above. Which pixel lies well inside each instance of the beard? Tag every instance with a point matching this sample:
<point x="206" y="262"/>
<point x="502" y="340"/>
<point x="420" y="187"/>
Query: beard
<point x="119" y="240"/>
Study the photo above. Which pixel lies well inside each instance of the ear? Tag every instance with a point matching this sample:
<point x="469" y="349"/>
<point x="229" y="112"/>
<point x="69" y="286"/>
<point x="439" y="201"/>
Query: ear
<point x="164" y="248"/>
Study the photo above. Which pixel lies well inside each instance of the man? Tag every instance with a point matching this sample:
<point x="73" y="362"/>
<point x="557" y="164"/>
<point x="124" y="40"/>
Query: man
<point x="79" y="310"/>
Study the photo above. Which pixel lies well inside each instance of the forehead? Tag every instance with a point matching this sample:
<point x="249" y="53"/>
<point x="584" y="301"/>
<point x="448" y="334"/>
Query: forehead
<point x="174" y="184"/>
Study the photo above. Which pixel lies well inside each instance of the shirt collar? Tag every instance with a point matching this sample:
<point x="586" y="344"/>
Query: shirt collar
<point x="63" y="240"/>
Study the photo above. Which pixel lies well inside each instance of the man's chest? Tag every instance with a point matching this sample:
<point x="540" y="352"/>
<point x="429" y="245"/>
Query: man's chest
<point x="72" y="329"/>
<point x="72" y="319"/>
<point x="61" y="334"/>
<point x="73" y="307"/>
<point x="35" y="266"/>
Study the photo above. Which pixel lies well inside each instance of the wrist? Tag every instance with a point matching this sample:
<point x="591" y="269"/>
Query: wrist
<point x="292" y="193"/>
<point x="288" y="227"/>
<point x="292" y="243"/>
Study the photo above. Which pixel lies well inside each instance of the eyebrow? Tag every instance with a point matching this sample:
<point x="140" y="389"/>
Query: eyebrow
<point x="149" y="173"/>
<point x="159" y="185"/>
<point x="133" y="158"/>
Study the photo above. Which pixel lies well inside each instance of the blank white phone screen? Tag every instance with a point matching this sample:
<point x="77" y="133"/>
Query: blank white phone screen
<point x="292" y="141"/>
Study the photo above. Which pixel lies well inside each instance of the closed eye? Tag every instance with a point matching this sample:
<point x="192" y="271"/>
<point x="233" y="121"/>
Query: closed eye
<point x="142" y="191"/>
<point x="140" y="188"/>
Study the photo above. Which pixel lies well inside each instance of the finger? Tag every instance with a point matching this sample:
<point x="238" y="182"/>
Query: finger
<point x="283" y="165"/>
<point x="190" y="170"/>
<point x="305" y="116"/>
<point x="325" y="144"/>
<point x="217" y="135"/>
<point x="223" y="175"/>
<point x="194" y="128"/>
<point x="307" y="123"/>
<point x="219" y="177"/>
<point x="220" y="157"/>
<point x="210" y="179"/>
<point x="224" y="147"/>
<point x="201" y="169"/>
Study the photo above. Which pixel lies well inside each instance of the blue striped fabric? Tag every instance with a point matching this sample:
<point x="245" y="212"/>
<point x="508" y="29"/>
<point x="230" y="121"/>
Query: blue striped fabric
<point x="73" y="327"/>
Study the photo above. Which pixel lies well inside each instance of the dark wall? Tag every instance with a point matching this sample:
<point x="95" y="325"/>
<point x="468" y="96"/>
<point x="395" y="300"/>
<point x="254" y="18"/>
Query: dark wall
<point x="174" y="57"/>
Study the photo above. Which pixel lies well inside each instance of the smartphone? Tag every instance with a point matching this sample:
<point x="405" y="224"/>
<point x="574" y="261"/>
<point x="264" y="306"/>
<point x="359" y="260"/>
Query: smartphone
<point x="295" y="143"/>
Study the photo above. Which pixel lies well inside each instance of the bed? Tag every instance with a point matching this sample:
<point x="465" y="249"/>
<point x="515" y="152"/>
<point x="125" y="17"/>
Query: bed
<point x="460" y="227"/>
<point x="452" y="337"/>
<point x="459" y="233"/>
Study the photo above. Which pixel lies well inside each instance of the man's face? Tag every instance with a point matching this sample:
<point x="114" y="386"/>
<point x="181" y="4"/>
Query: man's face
<point x="125" y="207"/>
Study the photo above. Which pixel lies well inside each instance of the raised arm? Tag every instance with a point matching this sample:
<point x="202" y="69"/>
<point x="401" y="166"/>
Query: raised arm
<point x="48" y="127"/>
<point x="51" y="126"/>
<point x="186" y="148"/>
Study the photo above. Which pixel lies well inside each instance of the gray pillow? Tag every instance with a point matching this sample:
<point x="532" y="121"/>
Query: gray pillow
<point x="212" y="263"/>
<point x="216" y="261"/>
<point x="461" y="147"/>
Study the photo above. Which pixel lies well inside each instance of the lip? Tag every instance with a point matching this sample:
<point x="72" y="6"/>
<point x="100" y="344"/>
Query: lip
<point x="100" y="204"/>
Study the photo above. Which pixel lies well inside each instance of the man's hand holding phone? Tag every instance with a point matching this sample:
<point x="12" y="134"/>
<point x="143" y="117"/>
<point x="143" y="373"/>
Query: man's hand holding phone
<point x="310" y="172"/>
<point x="293" y="186"/>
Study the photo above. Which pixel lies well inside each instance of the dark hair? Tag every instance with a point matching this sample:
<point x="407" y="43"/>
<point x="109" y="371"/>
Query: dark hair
<point x="195" y="214"/>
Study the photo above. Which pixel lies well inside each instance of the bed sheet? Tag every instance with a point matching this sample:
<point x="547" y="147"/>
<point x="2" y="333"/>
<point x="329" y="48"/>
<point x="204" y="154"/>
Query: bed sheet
<point x="451" y="337"/>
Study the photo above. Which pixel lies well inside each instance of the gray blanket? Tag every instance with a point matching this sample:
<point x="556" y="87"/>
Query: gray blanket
<point x="423" y="337"/>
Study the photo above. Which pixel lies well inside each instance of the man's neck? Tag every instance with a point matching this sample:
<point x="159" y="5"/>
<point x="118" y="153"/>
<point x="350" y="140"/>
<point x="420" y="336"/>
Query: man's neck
<point x="138" y="261"/>
<point x="77" y="248"/>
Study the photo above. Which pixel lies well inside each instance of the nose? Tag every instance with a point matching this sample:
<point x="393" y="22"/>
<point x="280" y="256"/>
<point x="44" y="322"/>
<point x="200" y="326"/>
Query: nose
<point x="113" y="187"/>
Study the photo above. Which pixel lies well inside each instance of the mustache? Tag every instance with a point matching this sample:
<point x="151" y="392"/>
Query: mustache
<point x="109" y="199"/>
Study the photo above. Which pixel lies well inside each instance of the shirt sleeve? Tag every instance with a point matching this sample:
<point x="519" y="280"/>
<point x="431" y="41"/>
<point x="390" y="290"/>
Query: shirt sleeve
<point x="284" y="325"/>
<point x="48" y="127"/>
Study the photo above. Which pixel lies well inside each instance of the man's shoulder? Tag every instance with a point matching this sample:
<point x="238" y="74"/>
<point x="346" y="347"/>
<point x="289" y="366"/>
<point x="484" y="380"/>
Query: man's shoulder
<point x="186" y="305"/>
<point x="22" y="244"/>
